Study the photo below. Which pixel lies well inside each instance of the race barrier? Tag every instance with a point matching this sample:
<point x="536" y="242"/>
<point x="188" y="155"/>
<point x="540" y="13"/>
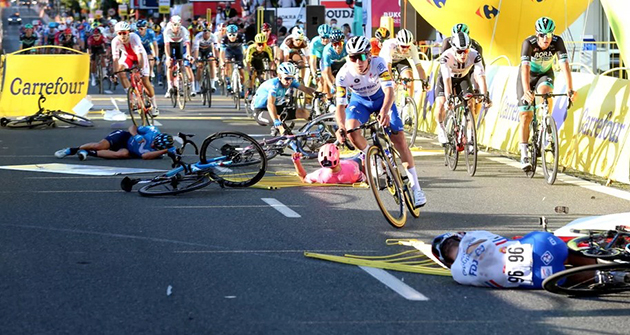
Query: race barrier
<point x="63" y="79"/>
<point x="592" y="134"/>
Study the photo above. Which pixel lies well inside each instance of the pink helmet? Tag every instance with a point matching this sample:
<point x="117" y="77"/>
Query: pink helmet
<point x="328" y="156"/>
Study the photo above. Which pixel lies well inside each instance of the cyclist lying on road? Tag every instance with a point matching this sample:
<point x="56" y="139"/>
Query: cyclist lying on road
<point x="334" y="170"/>
<point x="481" y="258"/>
<point x="122" y="144"/>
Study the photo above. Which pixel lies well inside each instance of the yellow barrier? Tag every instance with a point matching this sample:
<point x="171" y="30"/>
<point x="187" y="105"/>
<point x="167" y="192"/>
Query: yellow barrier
<point x="592" y="135"/>
<point x="63" y="79"/>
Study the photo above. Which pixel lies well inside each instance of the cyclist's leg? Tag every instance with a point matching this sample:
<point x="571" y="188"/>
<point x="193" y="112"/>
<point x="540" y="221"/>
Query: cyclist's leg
<point x="357" y="113"/>
<point x="126" y="63"/>
<point x="545" y="85"/>
<point x="525" y="114"/>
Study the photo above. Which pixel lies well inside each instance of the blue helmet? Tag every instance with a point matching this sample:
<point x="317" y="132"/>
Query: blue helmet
<point x="163" y="141"/>
<point x="324" y="31"/>
<point x="232" y="29"/>
<point x="337" y="36"/>
<point x="141" y="24"/>
<point x="52" y="24"/>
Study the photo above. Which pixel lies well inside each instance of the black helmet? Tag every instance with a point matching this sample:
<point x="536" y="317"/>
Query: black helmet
<point x="163" y="141"/>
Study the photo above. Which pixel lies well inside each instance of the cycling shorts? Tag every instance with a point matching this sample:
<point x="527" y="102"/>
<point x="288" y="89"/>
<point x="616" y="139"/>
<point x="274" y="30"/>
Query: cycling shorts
<point x="263" y="117"/>
<point x="360" y="108"/>
<point x="549" y="255"/>
<point x="459" y="85"/>
<point x="401" y="65"/>
<point x="235" y="54"/>
<point x="258" y="64"/>
<point x="205" y="53"/>
<point x="127" y="60"/>
<point x="535" y="80"/>
<point x="118" y="139"/>
<point x="96" y="50"/>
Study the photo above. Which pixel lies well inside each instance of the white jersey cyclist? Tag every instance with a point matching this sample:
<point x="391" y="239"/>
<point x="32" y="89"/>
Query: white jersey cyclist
<point x="490" y="260"/>
<point x="204" y="44"/>
<point x="450" y="67"/>
<point x="171" y="36"/>
<point x="127" y="54"/>
<point x="392" y="54"/>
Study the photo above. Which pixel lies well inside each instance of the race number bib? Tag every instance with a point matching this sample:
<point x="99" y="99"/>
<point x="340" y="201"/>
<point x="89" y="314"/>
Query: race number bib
<point x="518" y="263"/>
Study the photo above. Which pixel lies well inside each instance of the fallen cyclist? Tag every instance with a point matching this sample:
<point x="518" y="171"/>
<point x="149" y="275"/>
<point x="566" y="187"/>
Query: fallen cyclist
<point x="334" y="170"/>
<point x="146" y="142"/>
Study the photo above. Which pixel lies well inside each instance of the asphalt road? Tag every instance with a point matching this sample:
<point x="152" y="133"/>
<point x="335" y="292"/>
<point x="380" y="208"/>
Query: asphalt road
<point x="78" y="255"/>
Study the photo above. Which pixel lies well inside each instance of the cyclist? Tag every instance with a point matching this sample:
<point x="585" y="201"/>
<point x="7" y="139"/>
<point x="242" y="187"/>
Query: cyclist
<point x="66" y="39"/>
<point x="127" y="50"/>
<point x="536" y="75"/>
<point x="463" y="28"/>
<point x="109" y="31"/>
<point x="256" y="54"/>
<point x="204" y="47"/>
<point x="29" y="38"/>
<point x="176" y="45"/>
<point x="316" y="50"/>
<point x="455" y="75"/>
<point x="333" y="59"/>
<point x="268" y="102"/>
<point x="48" y="36"/>
<point x="96" y="46"/>
<point x="381" y="35"/>
<point x="159" y="40"/>
<point x="232" y="49"/>
<point x="293" y="49"/>
<point x="372" y="89"/>
<point x="334" y="169"/>
<point x="481" y="258"/>
<point x="272" y="39"/>
<point x="121" y="144"/>
<point x="395" y="52"/>
<point x="147" y="36"/>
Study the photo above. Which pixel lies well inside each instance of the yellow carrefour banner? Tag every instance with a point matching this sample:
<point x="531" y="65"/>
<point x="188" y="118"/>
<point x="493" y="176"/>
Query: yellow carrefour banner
<point x="500" y="26"/>
<point x="62" y="79"/>
<point x="617" y="12"/>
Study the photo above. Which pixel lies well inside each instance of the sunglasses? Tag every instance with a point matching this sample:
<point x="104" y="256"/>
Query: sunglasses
<point x="260" y="44"/>
<point x="336" y="44"/>
<point x="356" y="58"/>
<point x="462" y="52"/>
<point x="405" y="46"/>
<point x="266" y="30"/>
<point x="543" y="35"/>
<point x="141" y="28"/>
<point x="123" y="33"/>
<point x="288" y="78"/>
<point x="231" y="35"/>
<point x="176" y="25"/>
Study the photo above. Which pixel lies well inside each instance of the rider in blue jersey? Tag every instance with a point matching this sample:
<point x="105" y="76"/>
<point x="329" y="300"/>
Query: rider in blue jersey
<point x="333" y="58"/>
<point x="268" y="103"/>
<point x="146" y="142"/>
<point x="147" y="36"/>
<point x="317" y="46"/>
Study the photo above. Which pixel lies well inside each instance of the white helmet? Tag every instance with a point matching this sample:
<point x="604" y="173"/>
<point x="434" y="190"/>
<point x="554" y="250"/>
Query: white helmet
<point x="113" y="22"/>
<point x="357" y="45"/>
<point x="288" y="69"/>
<point x="404" y="37"/>
<point x="122" y="26"/>
<point x="176" y="19"/>
<point x="460" y="41"/>
<point x="298" y="33"/>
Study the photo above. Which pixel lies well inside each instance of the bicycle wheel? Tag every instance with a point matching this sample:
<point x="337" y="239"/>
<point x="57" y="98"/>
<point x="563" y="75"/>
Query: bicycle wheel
<point x="451" y="153"/>
<point x="204" y="89"/>
<point x="173" y="95"/>
<point x="534" y="151"/>
<point x="240" y="159"/>
<point x="323" y="128"/>
<point x="39" y="121"/>
<point x="208" y="88"/>
<point x="182" y="91"/>
<point x="470" y="147"/>
<point x="175" y="185"/>
<point x="386" y="186"/>
<point x="146" y="115"/>
<point x="99" y="74"/>
<point x="595" y="246"/>
<point x="585" y="281"/>
<point x="134" y="105"/>
<point x="549" y="149"/>
<point x="409" y="198"/>
<point x="236" y="88"/>
<point x="410" y="121"/>
<point x="73" y="119"/>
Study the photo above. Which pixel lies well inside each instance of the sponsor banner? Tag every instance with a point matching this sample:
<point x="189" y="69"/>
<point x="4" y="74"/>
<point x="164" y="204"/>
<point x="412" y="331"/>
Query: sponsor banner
<point x="496" y="78"/>
<point x="385" y="8"/>
<point x="164" y="6"/>
<point x="426" y="117"/>
<point x="291" y="15"/>
<point x="62" y="79"/>
<point x="340" y="11"/>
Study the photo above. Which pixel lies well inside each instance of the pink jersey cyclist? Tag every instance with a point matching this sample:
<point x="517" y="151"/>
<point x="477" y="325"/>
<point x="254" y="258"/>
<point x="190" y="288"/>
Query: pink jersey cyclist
<point x="350" y="173"/>
<point x="127" y="54"/>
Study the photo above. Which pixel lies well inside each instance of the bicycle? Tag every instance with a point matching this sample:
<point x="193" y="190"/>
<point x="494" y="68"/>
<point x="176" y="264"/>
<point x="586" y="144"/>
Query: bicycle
<point x="407" y="108"/>
<point x="206" y="81"/>
<point x="228" y="158"/>
<point x="613" y="276"/>
<point x="46" y="118"/>
<point x="544" y="139"/>
<point x="236" y="85"/>
<point x="307" y="141"/>
<point x="461" y="134"/>
<point x="99" y="72"/>
<point x="137" y="99"/>
<point x="389" y="186"/>
<point x="179" y="92"/>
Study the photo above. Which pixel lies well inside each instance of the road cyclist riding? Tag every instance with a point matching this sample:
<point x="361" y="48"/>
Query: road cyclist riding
<point x="205" y="52"/>
<point x="177" y="50"/>
<point x="231" y="57"/>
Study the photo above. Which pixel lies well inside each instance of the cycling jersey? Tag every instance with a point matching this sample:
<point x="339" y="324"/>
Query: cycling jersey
<point x="252" y="52"/>
<point x="489" y="260"/>
<point x="235" y="45"/>
<point x="128" y="53"/>
<point x="330" y="56"/>
<point x="392" y="54"/>
<point x="349" y="173"/>
<point x="450" y="67"/>
<point x="317" y="47"/>
<point x="205" y="45"/>
<point x="141" y="143"/>
<point x="65" y="40"/>
<point x="92" y="42"/>
<point x="170" y="36"/>
<point x="446" y="44"/>
<point x="271" y="87"/>
<point x="109" y="34"/>
<point x="289" y="46"/>
<point x="539" y="60"/>
<point x="29" y="41"/>
<point x="147" y="39"/>
<point x="375" y="49"/>
<point x="48" y="37"/>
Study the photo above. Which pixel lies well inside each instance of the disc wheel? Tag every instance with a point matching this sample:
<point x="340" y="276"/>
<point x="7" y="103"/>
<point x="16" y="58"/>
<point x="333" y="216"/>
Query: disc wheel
<point x="175" y="185"/>
<point x="582" y="280"/>
<point x="240" y="160"/>
<point x="73" y="119"/>
<point x="386" y="186"/>
<point x="410" y="120"/>
<point x="549" y="150"/>
<point x="451" y="154"/>
<point x="470" y="147"/>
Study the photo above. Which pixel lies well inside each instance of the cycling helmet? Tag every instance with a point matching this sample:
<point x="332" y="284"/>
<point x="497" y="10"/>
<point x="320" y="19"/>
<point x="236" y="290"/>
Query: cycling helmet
<point x="68" y="31"/>
<point x="232" y="29"/>
<point x="460" y="27"/>
<point x="28" y="26"/>
<point x="141" y="24"/>
<point x="122" y="26"/>
<point x="113" y="22"/>
<point x="328" y="156"/>
<point x="97" y="31"/>
<point x="404" y="37"/>
<point x="357" y="45"/>
<point x="133" y="26"/>
<point x="176" y="19"/>
<point x="438" y="243"/>
<point x="204" y="26"/>
<point x="163" y="141"/>
<point x="337" y="36"/>
<point x="288" y="69"/>
<point x="324" y="31"/>
<point x="157" y="28"/>
<point x="52" y="24"/>
<point x="260" y="38"/>
<point x="381" y="34"/>
<point x="96" y="24"/>
<point x="298" y="34"/>
<point x="460" y="41"/>
<point x="545" y="25"/>
<point x="266" y="26"/>
<point x="61" y="27"/>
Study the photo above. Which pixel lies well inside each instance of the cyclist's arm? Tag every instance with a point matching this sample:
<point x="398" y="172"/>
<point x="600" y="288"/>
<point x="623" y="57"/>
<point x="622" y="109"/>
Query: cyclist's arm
<point x="133" y="130"/>
<point x="525" y="67"/>
<point x="312" y="62"/>
<point x="446" y="77"/>
<point x="167" y="49"/>
<point x="387" y="85"/>
<point x="306" y="89"/>
<point x="563" y="58"/>
<point x="480" y="74"/>
<point x="446" y="43"/>
<point x="271" y="106"/>
<point x="415" y="56"/>
<point x="154" y="154"/>
<point x="249" y="54"/>
<point x="299" y="169"/>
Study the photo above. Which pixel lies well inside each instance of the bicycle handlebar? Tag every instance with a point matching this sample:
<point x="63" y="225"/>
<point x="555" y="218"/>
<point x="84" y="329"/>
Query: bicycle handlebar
<point x="551" y="95"/>
<point x="132" y="69"/>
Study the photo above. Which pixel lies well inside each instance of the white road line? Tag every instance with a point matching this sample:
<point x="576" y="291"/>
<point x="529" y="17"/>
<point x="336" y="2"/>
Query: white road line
<point x="395" y="284"/>
<point x="282" y="208"/>
<point x="571" y="180"/>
